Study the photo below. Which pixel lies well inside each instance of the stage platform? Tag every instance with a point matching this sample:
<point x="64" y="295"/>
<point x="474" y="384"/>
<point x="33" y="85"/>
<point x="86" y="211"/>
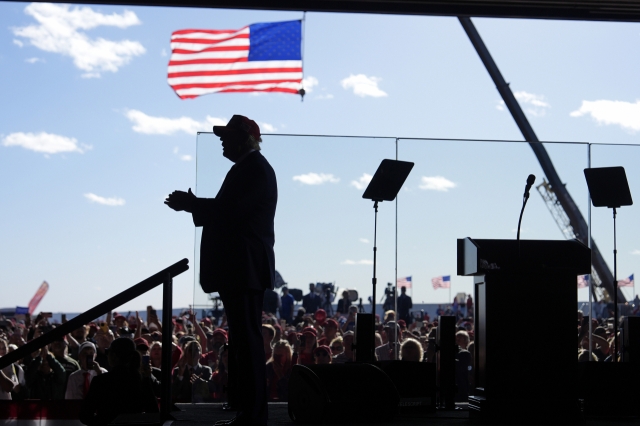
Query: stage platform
<point x="208" y="414"/>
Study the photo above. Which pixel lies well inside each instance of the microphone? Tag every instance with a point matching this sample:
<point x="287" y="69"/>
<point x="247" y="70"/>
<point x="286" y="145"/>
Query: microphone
<point x="530" y="180"/>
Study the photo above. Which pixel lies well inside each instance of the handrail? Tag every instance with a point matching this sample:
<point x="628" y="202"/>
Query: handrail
<point x="96" y="312"/>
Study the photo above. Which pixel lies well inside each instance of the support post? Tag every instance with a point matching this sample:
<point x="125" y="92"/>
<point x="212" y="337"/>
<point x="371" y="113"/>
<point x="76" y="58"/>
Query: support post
<point x="167" y="349"/>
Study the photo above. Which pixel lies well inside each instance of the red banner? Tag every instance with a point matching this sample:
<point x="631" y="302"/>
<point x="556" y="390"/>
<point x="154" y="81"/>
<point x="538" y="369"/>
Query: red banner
<point x="33" y="304"/>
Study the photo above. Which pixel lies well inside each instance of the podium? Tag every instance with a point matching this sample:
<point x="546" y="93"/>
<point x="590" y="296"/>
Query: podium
<point x="525" y="327"/>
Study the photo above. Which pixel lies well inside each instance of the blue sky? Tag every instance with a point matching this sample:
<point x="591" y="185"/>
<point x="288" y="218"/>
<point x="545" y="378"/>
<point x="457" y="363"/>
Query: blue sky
<point x="92" y="139"/>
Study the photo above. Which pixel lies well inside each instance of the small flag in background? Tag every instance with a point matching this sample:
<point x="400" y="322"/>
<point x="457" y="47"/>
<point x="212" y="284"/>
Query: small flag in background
<point x="583" y="281"/>
<point x="404" y="282"/>
<point x="264" y="57"/>
<point x="35" y="300"/>
<point x="441" y="282"/>
<point x="627" y="282"/>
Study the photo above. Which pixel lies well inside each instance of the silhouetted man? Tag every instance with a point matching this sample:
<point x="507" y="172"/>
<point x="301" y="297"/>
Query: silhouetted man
<point x="311" y="302"/>
<point x="404" y="306"/>
<point x="237" y="258"/>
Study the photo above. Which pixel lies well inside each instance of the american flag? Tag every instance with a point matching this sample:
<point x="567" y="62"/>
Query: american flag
<point x="441" y="282"/>
<point x="583" y="281"/>
<point x="627" y="282"/>
<point x="404" y="282"/>
<point x="264" y="57"/>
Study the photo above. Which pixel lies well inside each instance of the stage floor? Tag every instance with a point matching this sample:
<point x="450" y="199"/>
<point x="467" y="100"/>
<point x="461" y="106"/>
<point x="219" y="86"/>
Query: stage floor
<point x="208" y="414"/>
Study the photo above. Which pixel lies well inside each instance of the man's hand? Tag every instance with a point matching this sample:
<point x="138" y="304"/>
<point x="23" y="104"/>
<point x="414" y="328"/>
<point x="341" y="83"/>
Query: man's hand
<point x="180" y="200"/>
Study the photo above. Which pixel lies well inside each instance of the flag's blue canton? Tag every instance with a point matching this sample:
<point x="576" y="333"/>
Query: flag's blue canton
<point x="446" y="278"/>
<point x="275" y="41"/>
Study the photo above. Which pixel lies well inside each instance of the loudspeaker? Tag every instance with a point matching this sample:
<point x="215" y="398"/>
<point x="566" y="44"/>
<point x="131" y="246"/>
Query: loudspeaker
<point x="415" y="382"/>
<point x="338" y="393"/>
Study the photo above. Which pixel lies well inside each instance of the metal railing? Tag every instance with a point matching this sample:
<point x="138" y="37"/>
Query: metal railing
<point x="164" y="277"/>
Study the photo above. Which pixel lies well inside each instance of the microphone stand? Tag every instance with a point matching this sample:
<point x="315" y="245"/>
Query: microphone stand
<point x="374" y="280"/>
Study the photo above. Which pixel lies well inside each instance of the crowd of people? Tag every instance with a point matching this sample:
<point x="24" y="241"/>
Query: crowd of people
<point x="66" y="368"/>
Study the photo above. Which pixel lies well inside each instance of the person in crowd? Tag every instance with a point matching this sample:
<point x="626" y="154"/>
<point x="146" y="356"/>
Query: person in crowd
<point x="268" y="337"/>
<point x="469" y="306"/>
<point x="59" y="351"/>
<point x="237" y="257"/>
<point x="404" y="306"/>
<point x="271" y="301"/>
<point x="75" y="339"/>
<point x="300" y="316"/>
<point x="389" y="315"/>
<point x="411" y="350"/>
<point x="311" y="302"/>
<point x="279" y="371"/>
<point x="286" y="305"/>
<point x="155" y="355"/>
<point x="8" y="375"/>
<point x="336" y="346"/>
<point x="330" y="332"/>
<point x="350" y="323"/>
<point x="80" y="380"/>
<point x="149" y="373"/>
<point x="190" y="378"/>
<point x="391" y="333"/>
<point x="103" y="338"/>
<point x="220" y="377"/>
<point x="347" y="354"/>
<point x="45" y="377"/>
<point x="343" y="303"/>
<point x="308" y="343"/>
<point x="322" y="355"/>
<point x="121" y="390"/>
<point x="215" y="341"/>
<point x="462" y="339"/>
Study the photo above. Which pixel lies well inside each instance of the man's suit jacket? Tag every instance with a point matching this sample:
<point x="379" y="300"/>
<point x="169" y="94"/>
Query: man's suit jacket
<point x="311" y="305"/>
<point x="236" y="250"/>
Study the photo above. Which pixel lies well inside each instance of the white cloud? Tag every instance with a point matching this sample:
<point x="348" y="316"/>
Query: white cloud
<point x="624" y="114"/>
<point x="308" y="83"/>
<point x="363" y="86"/>
<point x="362" y="181"/>
<point x="34" y="60"/>
<point x="164" y="52"/>
<point x="18" y="43"/>
<point x="316" y="178"/>
<point x="357" y="262"/>
<point x="436" y="183"/>
<point x="47" y="143"/>
<point x="58" y="31"/>
<point x="364" y="240"/>
<point x="267" y="128"/>
<point x="114" y="201"/>
<point x="143" y="123"/>
<point x="637" y="252"/>
<point x="186" y="157"/>
<point x="531" y="103"/>
<point x="326" y="96"/>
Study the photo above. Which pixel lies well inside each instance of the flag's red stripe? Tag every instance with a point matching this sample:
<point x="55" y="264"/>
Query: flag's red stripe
<point x="233" y="83"/>
<point x="207" y="31"/>
<point x="208" y="61"/>
<point x="274" y="89"/>
<point x="211" y="49"/>
<point x="232" y="72"/>
<point x="207" y="40"/>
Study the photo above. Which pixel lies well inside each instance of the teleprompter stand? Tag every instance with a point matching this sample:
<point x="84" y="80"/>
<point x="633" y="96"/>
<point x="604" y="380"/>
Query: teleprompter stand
<point x="512" y="383"/>
<point x="384" y="186"/>
<point x="608" y="187"/>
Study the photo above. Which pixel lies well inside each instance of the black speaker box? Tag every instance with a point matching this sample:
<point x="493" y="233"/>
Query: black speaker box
<point x="338" y="393"/>
<point x="415" y="382"/>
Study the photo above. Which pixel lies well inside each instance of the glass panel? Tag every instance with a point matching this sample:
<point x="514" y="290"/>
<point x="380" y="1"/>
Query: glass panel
<point x="474" y="189"/>
<point x="628" y="226"/>
<point x="324" y="229"/>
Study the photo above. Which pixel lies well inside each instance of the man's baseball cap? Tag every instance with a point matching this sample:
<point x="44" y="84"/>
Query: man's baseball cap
<point x="141" y="343"/>
<point x="220" y="331"/>
<point x="310" y="330"/>
<point x="239" y="123"/>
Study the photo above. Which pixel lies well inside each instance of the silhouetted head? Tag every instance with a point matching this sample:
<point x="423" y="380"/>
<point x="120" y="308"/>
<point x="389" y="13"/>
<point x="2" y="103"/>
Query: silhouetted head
<point x="238" y="137"/>
<point x="122" y="353"/>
